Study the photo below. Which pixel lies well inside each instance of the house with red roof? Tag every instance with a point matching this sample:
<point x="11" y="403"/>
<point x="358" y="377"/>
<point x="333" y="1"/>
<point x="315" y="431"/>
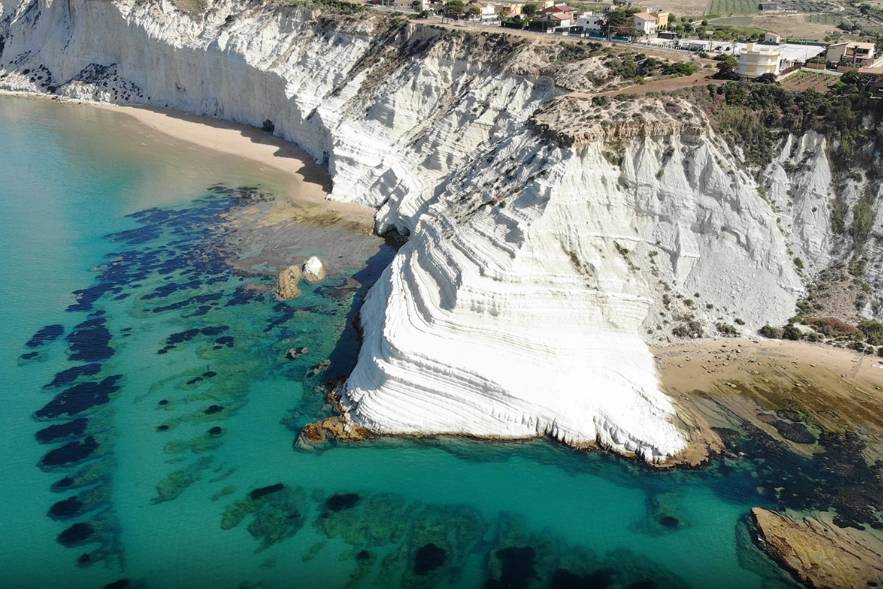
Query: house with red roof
<point x="561" y="14"/>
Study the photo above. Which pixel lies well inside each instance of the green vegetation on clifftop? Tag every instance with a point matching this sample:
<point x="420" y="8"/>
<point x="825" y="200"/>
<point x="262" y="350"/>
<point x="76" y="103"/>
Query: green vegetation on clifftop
<point x="758" y="115"/>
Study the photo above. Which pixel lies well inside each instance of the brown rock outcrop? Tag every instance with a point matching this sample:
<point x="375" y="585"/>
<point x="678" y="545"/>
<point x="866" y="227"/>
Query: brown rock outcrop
<point x="820" y="553"/>
<point x="286" y="285"/>
<point x="338" y="428"/>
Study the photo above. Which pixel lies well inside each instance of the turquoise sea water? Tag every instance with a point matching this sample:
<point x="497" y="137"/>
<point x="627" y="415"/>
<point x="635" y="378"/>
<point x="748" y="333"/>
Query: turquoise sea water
<point x="169" y="460"/>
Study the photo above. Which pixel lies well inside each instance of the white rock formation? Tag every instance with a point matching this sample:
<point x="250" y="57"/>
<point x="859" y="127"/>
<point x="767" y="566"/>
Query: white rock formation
<point x="313" y="269"/>
<point x="536" y="269"/>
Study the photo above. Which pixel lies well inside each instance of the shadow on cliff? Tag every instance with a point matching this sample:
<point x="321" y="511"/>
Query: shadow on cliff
<point x="343" y="357"/>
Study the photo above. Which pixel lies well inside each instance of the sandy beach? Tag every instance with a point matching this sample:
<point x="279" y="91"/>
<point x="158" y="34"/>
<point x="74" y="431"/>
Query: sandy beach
<point x="715" y="382"/>
<point x="310" y="183"/>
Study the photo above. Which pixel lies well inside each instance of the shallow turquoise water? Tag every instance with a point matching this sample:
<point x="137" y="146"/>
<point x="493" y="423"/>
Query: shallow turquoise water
<point x="168" y="503"/>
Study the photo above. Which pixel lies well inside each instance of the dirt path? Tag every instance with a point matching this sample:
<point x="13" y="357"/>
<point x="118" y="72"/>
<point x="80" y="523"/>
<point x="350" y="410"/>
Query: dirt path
<point x="697" y="79"/>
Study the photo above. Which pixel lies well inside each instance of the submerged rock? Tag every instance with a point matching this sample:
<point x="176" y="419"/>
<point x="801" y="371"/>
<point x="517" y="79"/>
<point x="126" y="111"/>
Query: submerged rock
<point x="66" y="508"/>
<point x="564" y="579"/>
<point x="177" y="482"/>
<point x="89" y="342"/>
<point x="428" y="558"/>
<point x="277" y="511"/>
<point x="666" y="513"/>
<point x="293" y="353"/>
<point x="79" y="533"/>
<point x="45" y="335"/>
<point x="342" y="501"/>
<point x="79" y="398"/>
<point x="70" y="453"/>
<point x="517" y="566"/>
<point x="264" y="491"/>
<point x="62" y="431"/>
<point x="69" y="375"/>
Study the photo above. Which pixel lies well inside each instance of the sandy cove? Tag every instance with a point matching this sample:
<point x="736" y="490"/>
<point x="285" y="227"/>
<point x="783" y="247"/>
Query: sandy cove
<point x="310" y="183"/>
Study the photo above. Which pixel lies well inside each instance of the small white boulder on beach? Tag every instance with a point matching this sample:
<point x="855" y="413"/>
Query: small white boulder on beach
<point x="313" y="270"/>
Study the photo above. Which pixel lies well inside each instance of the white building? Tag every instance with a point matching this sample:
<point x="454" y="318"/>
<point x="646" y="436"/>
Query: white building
<point x="645" y="22"/>
<point x="590" y="20"/>
<point x="757" y="60"/>
<point x="486" y="12"/>
<point x="421" y="4"/>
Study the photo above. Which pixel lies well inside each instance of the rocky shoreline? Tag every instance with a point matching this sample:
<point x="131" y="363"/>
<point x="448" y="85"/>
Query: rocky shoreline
<point x="807" y="419"/>
<point x="820" y="553"/>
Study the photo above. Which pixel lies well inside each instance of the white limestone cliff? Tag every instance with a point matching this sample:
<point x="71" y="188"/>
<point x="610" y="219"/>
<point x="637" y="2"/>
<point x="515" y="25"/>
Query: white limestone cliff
<point x="536" y="269"/>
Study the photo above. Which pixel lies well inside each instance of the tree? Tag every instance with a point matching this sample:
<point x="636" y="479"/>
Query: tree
<point x="619" y="22"/>
<point x="726" y="68"/>
<point x="474" y="11"/>
<point x="454" y="7"/>
<point x="529" y="9"/>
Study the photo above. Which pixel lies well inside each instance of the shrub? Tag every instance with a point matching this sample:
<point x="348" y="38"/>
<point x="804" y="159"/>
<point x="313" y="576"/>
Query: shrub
<point x="341" y="7"/>
<point x="859" y="347"/>
<point x="873" y="331"/>
<point x="727" y="330"/>
<point x="692" y="329"/>
<point x="771" y="332"/>
<point x="831" y="326"/>
<point x="682" y="68"/>
<point x="862" y="219"/>
<point x="792" y="333"/>
<point x="268" y="126"/>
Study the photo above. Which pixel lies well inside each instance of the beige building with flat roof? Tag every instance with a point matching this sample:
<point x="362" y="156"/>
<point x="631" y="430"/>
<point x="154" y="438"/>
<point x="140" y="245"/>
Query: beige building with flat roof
<point x="757" y="60"/>
<point x="852" y="52"/>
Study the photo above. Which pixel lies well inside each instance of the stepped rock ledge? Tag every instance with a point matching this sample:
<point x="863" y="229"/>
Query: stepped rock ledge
<point x="546" y="232"/>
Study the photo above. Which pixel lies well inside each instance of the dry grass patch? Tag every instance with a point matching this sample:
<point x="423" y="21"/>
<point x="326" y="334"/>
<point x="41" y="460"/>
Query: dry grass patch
<point x="792" y="25"/>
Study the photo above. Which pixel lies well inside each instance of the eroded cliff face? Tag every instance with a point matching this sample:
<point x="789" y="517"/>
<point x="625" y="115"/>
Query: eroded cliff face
<point x="549" y="237"/>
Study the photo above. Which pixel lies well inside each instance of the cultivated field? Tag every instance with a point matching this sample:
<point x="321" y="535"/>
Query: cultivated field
<point x="681" y="7"/>
<point x="823" y="19"/>
<point x="812" y="6"/>
<point x="731" y="7"/>
<point x="794" y="26"/>
<point x="806" y="80"/>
